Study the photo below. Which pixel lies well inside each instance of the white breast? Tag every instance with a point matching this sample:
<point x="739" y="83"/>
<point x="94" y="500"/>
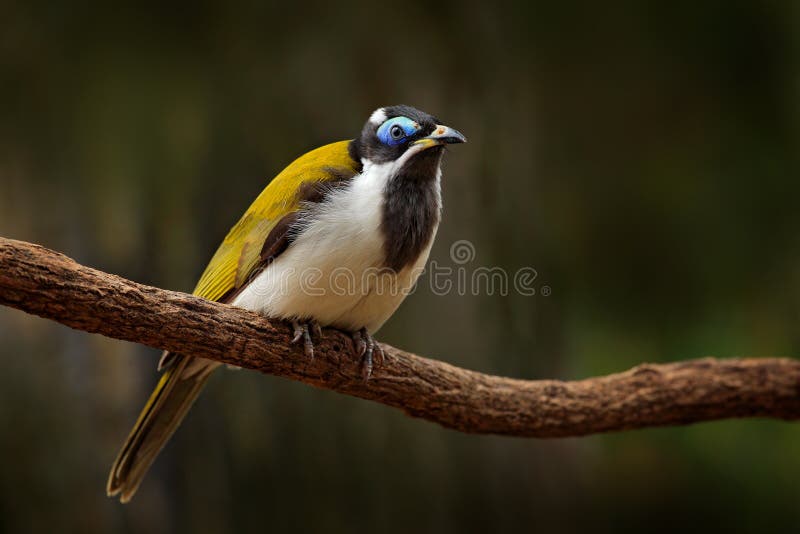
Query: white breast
<point x="332" y="272"/>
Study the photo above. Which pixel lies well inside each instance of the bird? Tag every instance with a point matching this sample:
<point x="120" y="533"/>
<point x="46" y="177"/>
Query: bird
<point x="337" y="239"/>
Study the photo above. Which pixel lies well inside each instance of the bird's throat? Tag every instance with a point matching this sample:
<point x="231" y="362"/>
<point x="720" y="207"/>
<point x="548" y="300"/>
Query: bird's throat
<point x="411" y="210"/>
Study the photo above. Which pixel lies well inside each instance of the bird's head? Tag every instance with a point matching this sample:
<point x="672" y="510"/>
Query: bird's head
<point x="403" y="138"/>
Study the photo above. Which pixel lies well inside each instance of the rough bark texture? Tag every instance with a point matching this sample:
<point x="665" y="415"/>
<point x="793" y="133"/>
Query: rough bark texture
<point x="51" y="285"/>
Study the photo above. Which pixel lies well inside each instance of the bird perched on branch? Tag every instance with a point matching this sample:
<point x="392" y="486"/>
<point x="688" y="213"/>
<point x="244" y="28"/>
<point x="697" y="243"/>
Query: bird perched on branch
<point x="337" y="239"/>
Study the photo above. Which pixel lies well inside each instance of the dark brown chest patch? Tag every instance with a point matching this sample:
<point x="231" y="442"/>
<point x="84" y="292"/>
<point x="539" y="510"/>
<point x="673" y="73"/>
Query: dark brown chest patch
<point x="411" y="210"/>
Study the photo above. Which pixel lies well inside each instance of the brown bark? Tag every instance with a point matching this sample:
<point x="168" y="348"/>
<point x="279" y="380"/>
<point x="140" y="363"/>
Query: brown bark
<point x="51" y="285"/>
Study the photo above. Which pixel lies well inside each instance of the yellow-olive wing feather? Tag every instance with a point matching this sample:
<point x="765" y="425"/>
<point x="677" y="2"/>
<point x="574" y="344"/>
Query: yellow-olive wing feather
<point x="237" y="257"/>
<point x="240" y="251"/>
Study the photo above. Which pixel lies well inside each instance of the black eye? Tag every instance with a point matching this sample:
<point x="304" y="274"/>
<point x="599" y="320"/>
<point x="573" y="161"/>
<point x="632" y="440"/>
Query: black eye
<point x="397" y="132"/>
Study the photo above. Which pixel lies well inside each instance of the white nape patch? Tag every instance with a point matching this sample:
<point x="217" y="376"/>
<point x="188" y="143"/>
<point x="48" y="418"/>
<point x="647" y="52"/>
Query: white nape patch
<point x="329" y="271"/>
<point x="378" y="117"/>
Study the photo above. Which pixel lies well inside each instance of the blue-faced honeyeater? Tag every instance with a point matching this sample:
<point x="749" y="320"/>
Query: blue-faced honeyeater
<point x="351" y="208"/>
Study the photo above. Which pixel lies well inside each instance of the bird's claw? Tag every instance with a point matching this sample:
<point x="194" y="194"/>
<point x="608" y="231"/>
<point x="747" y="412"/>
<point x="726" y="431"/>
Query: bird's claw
<point x="303" y="331"/>
<point x="365" y="346"/>
<point x="359" y="345"/>
<point x="317" y="329"/>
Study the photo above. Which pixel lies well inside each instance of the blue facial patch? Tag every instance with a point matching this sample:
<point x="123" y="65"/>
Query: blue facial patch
<point x="396" y="130"/>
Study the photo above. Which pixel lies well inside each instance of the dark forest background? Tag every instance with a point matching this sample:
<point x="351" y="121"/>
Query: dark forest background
<point x="643" y="157"/>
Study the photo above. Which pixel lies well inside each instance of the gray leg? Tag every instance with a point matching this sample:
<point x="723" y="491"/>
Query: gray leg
<point x="364" y="345"/>
<point x="303" y="331"/>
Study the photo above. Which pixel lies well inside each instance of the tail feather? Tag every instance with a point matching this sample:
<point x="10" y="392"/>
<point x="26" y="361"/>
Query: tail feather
<point x="175" y="393"/>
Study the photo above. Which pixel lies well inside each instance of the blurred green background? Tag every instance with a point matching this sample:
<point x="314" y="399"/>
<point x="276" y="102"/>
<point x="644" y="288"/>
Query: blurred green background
<point x="643" y="157"/>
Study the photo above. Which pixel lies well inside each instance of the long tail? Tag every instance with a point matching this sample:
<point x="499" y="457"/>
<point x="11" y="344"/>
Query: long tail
<point x="168" y="404"/>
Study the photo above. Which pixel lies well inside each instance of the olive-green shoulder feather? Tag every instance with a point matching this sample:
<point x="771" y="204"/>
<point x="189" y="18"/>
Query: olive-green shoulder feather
<point x="239" y="253"/>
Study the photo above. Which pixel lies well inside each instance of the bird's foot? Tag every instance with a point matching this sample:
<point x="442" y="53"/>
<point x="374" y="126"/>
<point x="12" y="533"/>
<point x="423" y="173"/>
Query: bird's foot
<point x="364" y="345"/>
<point x="303" y="331"/>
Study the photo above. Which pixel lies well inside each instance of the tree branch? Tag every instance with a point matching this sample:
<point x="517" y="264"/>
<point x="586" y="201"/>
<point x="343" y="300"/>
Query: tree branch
<point x="51" y="285"/>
